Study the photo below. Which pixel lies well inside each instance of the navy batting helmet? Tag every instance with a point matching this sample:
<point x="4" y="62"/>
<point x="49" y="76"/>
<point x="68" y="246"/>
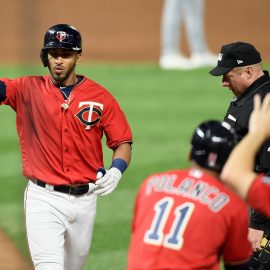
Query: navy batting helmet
<point x="61" y="36"/>
<point x="212" y="142"/>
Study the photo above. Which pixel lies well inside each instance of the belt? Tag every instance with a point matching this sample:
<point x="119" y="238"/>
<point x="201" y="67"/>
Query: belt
<point x="72" y="190"/>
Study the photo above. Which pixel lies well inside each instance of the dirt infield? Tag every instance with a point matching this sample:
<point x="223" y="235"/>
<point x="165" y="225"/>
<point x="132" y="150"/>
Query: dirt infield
<point x="10" y="257"/>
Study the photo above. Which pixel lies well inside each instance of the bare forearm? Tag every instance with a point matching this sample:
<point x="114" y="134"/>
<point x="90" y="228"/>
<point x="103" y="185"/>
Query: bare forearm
<point x="238" y="170"/>
<point x="123" y="151"/>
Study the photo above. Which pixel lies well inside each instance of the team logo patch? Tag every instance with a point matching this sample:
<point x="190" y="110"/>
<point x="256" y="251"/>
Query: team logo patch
<point x="61" y="35"/>
<point x="90" y="114"/>
<point x="220" y="55"/>
<point x="212" y="159"/>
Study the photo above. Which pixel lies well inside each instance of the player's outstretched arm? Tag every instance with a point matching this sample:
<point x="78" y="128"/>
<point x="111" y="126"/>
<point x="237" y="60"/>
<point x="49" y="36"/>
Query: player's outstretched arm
<point x="107" y="180"/>
<point x="238" y="170"/>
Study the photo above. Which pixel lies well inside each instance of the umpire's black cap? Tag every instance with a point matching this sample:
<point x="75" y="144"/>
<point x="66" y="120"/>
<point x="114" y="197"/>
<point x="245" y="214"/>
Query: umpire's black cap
<point x="237" y="54"/>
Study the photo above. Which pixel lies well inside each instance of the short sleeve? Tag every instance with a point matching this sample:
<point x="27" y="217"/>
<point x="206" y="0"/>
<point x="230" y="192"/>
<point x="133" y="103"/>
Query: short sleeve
<point x="115" y="125"/>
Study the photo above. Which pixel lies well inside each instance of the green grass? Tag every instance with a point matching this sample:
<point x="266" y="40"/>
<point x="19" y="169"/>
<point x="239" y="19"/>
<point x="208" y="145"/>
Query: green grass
<point x="163" y="107"/>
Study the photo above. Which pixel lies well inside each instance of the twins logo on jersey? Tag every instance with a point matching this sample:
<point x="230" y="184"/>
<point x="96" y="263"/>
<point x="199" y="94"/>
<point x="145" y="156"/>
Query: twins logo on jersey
<point x="91" y="113"/>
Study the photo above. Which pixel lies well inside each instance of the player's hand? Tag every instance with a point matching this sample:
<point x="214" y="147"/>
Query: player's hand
<point x="255" y="237"/>
<point x="92" y="187"/>
<point x="259" y="119"/>
<point x="106" y="183"/>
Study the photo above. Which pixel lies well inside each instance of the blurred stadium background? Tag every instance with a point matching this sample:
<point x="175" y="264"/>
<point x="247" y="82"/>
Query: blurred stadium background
<point x="124" y="30"/>
<point x="121" y="51"/>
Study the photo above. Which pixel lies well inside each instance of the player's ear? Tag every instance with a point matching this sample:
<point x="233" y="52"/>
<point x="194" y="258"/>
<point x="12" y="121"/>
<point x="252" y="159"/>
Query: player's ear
<point x="79" y="56"/>
<point x="190" y="156"/>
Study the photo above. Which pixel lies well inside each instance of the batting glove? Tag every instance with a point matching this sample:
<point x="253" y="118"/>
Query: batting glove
<point x="107" y="182"/>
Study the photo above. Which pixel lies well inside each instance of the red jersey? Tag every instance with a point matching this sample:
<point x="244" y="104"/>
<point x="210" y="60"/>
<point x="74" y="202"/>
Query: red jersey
<point x="187" y="220"/>
<point x="61" y="141"/>
<point x="259" y="194"/>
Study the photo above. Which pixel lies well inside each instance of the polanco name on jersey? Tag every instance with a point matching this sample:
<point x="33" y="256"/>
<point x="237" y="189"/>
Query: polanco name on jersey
<point x="197" y="190"/>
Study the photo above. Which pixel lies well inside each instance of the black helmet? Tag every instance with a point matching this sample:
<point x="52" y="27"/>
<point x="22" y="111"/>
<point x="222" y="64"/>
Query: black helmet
<point x="61" y="36"/>
<point x="212" y="142"/>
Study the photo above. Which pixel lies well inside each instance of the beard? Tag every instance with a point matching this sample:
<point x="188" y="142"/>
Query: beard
<point x="63" y="76"/>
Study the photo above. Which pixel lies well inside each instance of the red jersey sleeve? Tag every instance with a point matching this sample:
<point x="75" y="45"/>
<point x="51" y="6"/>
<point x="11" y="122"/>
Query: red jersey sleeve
<point x="115" y="125"/>
<point x="12" y="91"/>
<point x="259" y="194"/>
<point x="237" y="247"/>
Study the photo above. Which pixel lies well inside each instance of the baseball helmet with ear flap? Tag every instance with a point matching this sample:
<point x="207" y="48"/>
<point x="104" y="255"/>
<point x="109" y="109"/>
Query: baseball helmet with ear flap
<point x="212" y="142"/>
<point x="62" y="36"/>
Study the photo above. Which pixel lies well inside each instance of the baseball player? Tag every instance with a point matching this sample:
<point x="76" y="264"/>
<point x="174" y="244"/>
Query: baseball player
<point x="190" y="13"/>
<point x="187" y="219"/>
<point x="61" y="119"/>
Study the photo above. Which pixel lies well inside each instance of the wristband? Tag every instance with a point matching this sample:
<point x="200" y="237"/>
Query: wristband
<point x="120" y="164"/>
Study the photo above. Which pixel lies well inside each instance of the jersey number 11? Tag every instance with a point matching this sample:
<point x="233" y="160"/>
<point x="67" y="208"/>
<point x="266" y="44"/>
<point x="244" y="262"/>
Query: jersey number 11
<point x="174" y="239"/>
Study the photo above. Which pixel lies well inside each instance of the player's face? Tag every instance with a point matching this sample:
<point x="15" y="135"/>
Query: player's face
<point x="61" y="63"/>
<point x="235" y="81"/>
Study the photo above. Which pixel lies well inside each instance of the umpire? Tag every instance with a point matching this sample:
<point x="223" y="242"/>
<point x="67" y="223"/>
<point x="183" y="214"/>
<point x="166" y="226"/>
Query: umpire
<point x="240" y="65"/>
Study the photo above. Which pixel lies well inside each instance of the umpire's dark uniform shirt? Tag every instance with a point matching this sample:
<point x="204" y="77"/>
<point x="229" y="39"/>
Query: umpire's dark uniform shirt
<point x="238" y="117"/>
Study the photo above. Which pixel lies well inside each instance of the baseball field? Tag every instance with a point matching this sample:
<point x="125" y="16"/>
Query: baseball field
<point x="162" y="107"/>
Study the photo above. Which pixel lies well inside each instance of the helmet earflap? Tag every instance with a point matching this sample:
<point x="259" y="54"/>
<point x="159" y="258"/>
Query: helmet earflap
<point x="44" y="57"/>
<point x="62" y="36"/>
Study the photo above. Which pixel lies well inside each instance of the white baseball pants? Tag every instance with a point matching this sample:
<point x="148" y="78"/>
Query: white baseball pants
<point x="59" y="227"/>
<point x="176" y="12"/>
